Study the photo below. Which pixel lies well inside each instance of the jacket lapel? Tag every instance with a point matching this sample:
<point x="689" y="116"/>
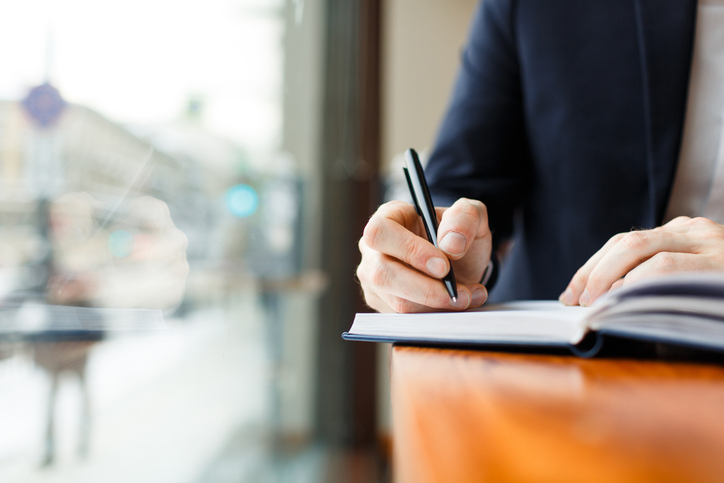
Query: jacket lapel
<point x="665" y="40"/>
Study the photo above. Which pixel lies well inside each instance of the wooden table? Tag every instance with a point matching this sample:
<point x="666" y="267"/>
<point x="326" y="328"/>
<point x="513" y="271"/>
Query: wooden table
<point x="482" y="416"/>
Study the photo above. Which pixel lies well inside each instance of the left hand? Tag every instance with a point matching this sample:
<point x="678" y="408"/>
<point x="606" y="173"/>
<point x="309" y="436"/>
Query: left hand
<point x="683" y="244"/>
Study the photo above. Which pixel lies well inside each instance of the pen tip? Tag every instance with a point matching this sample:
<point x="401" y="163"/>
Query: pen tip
<point x="455" y="300"/>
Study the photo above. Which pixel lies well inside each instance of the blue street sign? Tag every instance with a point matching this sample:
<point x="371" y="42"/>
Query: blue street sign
<point x="44" y="105"/>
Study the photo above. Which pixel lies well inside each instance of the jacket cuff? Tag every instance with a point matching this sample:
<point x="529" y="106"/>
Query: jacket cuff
<point x="490" y="276"/>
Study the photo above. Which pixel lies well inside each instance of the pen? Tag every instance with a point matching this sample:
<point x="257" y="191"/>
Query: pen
<point x="420" y="193"/>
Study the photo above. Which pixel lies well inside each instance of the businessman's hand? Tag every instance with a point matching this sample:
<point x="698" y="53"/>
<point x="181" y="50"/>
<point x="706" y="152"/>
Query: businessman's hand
<point x="401" y="271"/>
<point x="683" y="244"/>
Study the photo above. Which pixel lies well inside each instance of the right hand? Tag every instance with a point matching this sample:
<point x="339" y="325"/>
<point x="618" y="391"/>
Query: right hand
<point x="401" y="270"/>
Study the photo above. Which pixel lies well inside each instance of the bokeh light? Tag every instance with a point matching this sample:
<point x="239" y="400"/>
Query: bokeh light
<point x="242" y="200"/>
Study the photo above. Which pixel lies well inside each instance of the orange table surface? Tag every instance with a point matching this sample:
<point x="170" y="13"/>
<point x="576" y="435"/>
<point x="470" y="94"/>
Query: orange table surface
<point x="463" y="416"/>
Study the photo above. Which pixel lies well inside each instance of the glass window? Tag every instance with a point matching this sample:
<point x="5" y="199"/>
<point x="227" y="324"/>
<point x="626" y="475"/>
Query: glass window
<point x="157" y="159"/>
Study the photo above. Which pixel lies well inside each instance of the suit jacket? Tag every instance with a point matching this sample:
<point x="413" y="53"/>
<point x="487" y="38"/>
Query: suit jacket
<point x="566" y="121"/>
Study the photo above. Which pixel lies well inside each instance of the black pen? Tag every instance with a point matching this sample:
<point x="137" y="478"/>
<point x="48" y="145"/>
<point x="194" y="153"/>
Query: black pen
<point x="420" y="193"/>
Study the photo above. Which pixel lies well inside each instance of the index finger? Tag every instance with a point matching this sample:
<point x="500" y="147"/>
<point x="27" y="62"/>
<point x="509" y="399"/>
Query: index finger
<point x="578" y="283"/>
<point x="394" y="229"/>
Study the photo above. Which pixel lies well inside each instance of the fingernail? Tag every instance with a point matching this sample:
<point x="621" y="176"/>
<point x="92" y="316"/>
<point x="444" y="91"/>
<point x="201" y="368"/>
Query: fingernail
<point x="479" y="297"/>
<point x="453" y="243"/>
<point x="585" y="298"/>
<point x="436" y="267"/>
<point x="567" y="297"/>
<point x="463" y="301"/>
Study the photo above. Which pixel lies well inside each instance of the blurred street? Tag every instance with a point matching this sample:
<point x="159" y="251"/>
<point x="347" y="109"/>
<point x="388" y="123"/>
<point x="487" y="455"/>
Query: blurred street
<point x="167" y="406"/>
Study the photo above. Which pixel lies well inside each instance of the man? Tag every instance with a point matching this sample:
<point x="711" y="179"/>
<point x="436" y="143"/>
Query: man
<point x="566" y="127"/>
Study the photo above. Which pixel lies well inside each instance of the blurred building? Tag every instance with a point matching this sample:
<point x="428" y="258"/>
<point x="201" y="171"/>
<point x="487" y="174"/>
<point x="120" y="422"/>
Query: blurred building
<point x="91" y="153"/>
<point x="81" y="152"/>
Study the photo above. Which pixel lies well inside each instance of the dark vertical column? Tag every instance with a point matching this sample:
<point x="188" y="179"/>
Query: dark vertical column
<point x="365" y="403"/>
<point x="350" y="147"/>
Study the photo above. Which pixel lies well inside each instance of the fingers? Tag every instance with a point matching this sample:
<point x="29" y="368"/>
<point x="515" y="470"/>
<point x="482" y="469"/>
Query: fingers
<point x="402" y="305"/>
<point x="394" y="229"/>
<point x="666" y="263"/>
<point x="631" y="251"/>
<point x="577" y="284"/>
<point x="680" y="245"/>
<point x="401" y="269"/>
<point x="375" y="302"/>
<point x="389" y="284"/>
<point x="623" y="254"/>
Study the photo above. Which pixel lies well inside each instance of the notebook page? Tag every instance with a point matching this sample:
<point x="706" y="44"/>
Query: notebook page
<point x="517" y="322"/>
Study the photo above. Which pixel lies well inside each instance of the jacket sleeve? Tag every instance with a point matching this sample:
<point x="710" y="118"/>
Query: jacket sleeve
<point x="481" y="150"/>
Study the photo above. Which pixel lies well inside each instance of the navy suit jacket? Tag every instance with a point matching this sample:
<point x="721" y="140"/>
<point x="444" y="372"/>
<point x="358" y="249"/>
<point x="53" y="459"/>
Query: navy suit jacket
<point x="566" y="121"/>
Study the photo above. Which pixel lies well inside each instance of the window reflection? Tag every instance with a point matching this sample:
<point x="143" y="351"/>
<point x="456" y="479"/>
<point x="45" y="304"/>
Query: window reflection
<point x="151" y="254"/>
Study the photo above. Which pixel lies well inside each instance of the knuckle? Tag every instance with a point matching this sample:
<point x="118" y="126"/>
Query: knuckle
<point x="369" y="296"/>
<point x="680" y="219"/>
<point x="394" y="205"/>
<point x="401" y="306"/>
<point x="394" y="210"/>
<point x="469" y="217"/>
<point x="372" y="300"/>
<point x="634" y="241"/>
<point x="432" y="298"/>
<point x="360" y="273"/>
<point x="471" y="208"/>
<point x="413" y="252"/>
<point x="476" y="205"/>
<point x="709" y="229"/>
<point x="700" y="221"/>
<point x="379" y="275"/>
<point x="664" y="261"/>
<point x="372" y="232"/>
<point x="617" y="237"/>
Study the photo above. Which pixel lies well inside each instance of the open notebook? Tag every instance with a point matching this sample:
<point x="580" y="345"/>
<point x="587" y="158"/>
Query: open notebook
<point x="683" y="309"/>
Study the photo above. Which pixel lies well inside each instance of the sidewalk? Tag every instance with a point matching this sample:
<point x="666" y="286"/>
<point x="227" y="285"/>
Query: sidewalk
<point x="163" y="406"/>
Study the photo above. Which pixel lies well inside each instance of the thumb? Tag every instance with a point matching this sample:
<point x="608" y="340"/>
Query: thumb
<point x="464" y="236"/>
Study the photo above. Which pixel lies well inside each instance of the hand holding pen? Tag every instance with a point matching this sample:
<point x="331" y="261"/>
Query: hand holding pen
<point x="401" y="270"/>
